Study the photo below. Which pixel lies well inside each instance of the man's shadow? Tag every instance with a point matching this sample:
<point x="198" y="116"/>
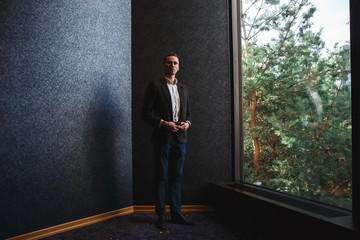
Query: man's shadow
<point x="102" y="153"/>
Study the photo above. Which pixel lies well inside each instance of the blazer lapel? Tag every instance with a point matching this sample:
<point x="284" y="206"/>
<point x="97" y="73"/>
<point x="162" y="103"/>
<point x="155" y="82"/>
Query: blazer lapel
<point x="167" y="94"/>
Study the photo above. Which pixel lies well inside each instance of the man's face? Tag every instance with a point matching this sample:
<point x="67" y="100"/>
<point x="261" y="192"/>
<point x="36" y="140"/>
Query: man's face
<point x="171" y="65"/>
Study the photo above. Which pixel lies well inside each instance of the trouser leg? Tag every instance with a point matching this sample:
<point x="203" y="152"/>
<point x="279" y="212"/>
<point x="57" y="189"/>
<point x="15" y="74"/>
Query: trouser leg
<point x="161" y="166"/>
<point x="176" y="164"/>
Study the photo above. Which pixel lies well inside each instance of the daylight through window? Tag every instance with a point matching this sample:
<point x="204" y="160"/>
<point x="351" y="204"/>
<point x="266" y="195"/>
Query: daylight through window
<point x="297" y="98"/>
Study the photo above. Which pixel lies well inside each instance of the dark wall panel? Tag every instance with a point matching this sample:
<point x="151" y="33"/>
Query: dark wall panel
<point x="65" y="111"/>
<point x="199" y="32"/>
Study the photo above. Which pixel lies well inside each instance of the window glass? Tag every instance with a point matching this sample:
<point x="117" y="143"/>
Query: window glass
<point x="297" y="97"/>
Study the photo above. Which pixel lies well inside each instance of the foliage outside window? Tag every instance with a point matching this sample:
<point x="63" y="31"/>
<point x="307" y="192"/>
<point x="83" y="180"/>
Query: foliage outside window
<point x="296" y="103"/>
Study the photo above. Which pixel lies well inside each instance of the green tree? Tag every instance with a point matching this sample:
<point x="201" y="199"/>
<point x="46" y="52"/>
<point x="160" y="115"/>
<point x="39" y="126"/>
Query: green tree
<point x="297" y="105"/>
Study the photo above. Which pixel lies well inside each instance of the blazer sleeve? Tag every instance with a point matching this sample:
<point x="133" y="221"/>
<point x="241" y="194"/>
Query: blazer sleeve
<point x="188" y="108"/>
<point x="147" y="112"/>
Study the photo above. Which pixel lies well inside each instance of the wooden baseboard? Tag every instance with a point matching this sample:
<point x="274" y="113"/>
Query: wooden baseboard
<point x="73" y="225"/>
<point x="102" y="217"/>
<point x="185" y="208"/>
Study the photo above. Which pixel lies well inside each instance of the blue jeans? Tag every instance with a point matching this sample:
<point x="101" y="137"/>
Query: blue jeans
<point x="169" y="157"/>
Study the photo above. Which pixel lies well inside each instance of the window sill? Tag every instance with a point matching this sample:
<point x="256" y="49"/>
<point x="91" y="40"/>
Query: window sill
<point x="268" y="208"/>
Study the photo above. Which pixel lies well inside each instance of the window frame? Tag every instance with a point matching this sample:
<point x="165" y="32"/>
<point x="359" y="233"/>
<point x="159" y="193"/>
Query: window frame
<point x="238" y="145"/>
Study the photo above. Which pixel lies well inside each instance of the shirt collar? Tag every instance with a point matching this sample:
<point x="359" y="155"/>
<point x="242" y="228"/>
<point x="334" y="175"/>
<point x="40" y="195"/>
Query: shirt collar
<point x="168" y="81"/>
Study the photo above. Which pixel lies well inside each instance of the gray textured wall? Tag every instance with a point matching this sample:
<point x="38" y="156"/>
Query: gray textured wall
<point x="199" y="32"/>
<point x="65" y="111"/>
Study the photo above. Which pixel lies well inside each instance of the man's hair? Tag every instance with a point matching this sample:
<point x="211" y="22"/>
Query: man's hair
<point x="171" y="54"/>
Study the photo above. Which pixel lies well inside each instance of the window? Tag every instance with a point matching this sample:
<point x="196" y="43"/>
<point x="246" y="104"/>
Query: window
<point x="294" y="120"/>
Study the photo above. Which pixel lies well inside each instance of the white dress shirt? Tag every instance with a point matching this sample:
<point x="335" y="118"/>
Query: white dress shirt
<point x="175" y="99"/>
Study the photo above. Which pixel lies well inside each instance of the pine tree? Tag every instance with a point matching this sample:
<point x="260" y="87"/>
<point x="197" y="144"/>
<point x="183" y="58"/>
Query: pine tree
<point x="297" y="105"/>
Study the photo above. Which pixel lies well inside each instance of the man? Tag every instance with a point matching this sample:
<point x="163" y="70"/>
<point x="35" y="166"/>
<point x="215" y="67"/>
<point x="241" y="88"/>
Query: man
<point x="167" y="109"/>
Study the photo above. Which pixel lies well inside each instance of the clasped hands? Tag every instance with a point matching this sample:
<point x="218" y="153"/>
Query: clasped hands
<point x="173" y="127"/>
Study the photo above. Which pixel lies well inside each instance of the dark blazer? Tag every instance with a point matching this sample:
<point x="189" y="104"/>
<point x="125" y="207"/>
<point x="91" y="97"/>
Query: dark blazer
<point x="157" y="106"/>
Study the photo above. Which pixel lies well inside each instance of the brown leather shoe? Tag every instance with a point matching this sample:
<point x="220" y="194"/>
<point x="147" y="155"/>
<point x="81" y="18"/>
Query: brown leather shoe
<point x="161" y="222"/>
<point x="181" y="219"/>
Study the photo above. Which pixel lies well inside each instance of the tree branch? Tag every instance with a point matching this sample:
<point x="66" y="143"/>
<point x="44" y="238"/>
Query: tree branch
<point x="327" y="123"/>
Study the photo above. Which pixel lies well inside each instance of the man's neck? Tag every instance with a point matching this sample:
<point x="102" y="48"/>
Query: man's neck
<point x="170" y="78"/>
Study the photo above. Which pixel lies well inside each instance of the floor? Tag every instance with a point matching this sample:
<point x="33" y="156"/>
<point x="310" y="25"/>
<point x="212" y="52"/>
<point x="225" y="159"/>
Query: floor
<point x="208" y="225"/>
